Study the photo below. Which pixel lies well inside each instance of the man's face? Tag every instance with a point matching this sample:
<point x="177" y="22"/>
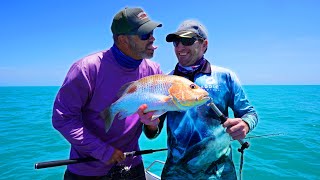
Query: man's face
<point x="188" y="55"/>
<point x="141" y="46"/>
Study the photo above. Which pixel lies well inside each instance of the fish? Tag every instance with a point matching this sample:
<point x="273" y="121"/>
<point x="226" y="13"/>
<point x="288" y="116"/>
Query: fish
<point x="161" y="93"/>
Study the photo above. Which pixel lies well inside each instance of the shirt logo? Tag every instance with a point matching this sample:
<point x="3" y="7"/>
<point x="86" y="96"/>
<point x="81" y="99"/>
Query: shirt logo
<point x="211" y="84"/>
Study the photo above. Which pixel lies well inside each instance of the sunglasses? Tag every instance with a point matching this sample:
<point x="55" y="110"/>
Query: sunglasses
<point x="144" y="37"/>
<point x="185" y="41"/>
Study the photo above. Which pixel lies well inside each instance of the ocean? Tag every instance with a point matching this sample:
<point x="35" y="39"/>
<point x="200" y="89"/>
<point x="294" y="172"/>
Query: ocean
<point x="291" y="112"/>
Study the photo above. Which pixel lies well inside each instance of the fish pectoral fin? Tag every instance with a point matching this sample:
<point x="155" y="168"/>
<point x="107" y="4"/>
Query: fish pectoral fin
<point x="166" y="98"/>
<point x="176" y="102"/>
<point x="159" y="98"/>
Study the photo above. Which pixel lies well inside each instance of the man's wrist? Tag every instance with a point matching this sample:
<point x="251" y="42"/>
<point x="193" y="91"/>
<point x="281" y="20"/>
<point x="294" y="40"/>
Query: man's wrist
<point x="151" y="131"/>
<point x="152" y="128"/>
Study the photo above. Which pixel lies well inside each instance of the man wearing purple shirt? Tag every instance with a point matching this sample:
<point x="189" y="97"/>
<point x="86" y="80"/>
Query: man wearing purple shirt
<point x="91" y="85"/>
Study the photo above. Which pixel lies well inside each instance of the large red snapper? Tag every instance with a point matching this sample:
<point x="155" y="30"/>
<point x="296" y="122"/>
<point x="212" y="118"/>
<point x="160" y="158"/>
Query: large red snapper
<point x="161" y="93"/>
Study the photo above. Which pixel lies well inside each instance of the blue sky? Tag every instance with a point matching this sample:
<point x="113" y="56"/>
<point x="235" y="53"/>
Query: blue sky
<point x="263" y="41"/>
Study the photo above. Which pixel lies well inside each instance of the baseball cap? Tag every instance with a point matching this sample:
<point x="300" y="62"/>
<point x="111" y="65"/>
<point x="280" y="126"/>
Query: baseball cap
<point x="132" y="21"/>
<point x="188" y="29"/>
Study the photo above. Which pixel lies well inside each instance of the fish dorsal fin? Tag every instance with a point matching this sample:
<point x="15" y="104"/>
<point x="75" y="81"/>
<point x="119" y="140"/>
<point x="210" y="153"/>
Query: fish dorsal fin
<point x="125" y="88"/>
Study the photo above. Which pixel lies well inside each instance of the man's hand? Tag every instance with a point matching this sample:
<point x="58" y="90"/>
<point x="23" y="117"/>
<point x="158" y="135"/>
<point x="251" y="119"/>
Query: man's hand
<point x="146" y="118"/>
<point x="116" y="157"/>
<point x="236" y="127"/>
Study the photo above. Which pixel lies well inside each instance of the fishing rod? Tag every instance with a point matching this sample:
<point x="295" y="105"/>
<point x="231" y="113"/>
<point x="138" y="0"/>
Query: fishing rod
<point x="89" y="159"/>
<point x="223" y="118"/>
<point x="264" y="135"/>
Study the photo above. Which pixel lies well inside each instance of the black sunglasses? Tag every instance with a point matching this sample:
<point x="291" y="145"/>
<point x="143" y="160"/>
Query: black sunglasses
<point x="185" y="41"/>
<point x="144" y="37"/>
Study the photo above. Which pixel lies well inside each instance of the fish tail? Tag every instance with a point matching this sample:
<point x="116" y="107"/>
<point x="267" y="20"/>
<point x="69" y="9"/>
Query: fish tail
<point x="108" y="116"/>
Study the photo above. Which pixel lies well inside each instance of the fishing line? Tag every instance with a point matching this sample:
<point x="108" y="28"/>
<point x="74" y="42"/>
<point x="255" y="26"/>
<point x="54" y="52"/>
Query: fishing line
<point x="262" y="136"/>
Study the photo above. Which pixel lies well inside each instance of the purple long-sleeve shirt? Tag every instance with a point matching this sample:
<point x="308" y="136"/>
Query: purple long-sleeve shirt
<point x="91" y="85"/>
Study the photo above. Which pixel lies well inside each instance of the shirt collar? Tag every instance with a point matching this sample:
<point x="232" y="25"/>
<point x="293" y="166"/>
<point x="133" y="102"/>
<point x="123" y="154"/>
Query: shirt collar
<point x="205" y="69"/>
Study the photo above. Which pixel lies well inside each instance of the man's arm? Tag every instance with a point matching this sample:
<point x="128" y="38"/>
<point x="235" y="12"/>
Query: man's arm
<point x="151" y="128"/>
<point x="67" y="119"/>
<point x="153" y="133"/>
<point x="245" y="115"/>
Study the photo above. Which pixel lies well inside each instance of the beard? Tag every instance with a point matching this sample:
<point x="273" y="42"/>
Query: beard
<point x="141" y="50"/>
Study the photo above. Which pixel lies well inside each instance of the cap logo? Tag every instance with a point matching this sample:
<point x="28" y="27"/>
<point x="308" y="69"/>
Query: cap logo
<point x="185" y="34"/>
<point x="142" y="15"/>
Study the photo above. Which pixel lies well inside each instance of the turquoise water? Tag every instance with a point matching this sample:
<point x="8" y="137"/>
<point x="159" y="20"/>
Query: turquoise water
<point x="27" y="137"/>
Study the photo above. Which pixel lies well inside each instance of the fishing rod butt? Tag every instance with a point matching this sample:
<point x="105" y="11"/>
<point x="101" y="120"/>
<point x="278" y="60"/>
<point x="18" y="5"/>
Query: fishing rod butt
<point x="62" y="162"/>
<point x="43" y="165"/>
<point x="48" y="164"/>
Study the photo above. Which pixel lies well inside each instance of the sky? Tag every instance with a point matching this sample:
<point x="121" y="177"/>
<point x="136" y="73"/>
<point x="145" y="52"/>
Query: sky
<point x="265" y="42"/>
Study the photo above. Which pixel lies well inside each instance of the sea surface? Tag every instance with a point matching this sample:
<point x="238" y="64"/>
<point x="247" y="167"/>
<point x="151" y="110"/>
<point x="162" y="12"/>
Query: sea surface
<point x="292" y="113"/>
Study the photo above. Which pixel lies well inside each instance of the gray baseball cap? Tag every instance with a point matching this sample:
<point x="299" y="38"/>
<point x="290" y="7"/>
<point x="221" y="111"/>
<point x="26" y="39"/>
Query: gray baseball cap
<point x="189" y="29"/>
<point x="133" y="21"/>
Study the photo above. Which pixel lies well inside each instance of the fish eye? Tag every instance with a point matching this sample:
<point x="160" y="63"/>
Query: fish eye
<point x="192" y="86"/>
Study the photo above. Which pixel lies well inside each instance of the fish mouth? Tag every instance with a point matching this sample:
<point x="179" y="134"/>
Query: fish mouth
<point x="185" y="105"/>
<point x="203" y="98"/>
